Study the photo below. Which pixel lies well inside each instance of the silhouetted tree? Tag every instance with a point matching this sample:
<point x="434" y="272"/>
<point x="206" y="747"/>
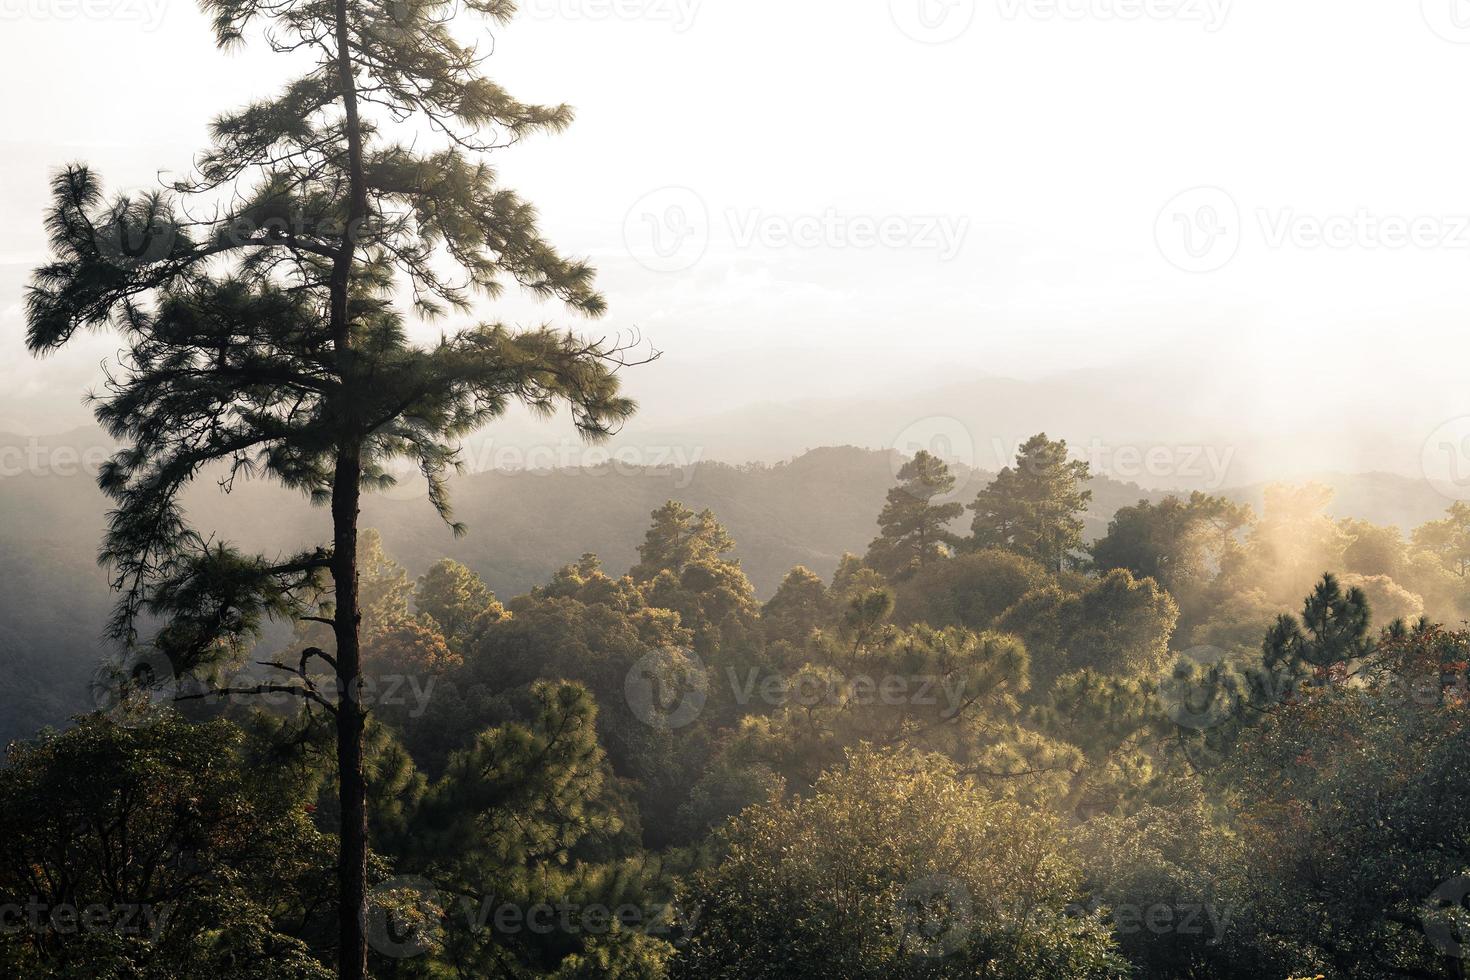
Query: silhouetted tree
<point x="1333" y="630"/>
<point x="263" y="338"/>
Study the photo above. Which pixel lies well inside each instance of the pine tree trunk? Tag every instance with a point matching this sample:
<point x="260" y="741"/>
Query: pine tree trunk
<point x="346" y="496"/>
<point x="352" y="785"/>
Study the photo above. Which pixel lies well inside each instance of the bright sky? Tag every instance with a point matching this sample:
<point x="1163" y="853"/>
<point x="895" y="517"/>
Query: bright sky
<point x="1265" y="202"/>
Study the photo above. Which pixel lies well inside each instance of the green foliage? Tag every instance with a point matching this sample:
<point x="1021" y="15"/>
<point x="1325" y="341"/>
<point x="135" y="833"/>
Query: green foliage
<point x="1176" y="542"/>
<point x="592" y="643"/>
<point x="1374" y="550"/>
<point x="383" y="589"/>
<point x="972" y="589"/>
<point x="156" y="852"/>
<point x="1033" y="507"/>
<point x="453" y="597"/>
<point x="679" y="537"/>
<point x="1333" y="630"/>
<point x="501" y="829"/>
<point x="1161" y="873"/>
<point x="893" y="867"/>
<point x="1349" y="806"/>
<point x="915" y="529"/>
<point x="800" y="606"/>
<point x="1116" y="624"/>
<point x="1448" y="539"/>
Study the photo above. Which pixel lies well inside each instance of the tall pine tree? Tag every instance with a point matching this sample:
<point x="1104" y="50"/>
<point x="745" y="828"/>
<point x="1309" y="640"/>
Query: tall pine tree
<point x="914" y="529"/>
<point x="257" y="301"/>
<point x="1034" y="508"/>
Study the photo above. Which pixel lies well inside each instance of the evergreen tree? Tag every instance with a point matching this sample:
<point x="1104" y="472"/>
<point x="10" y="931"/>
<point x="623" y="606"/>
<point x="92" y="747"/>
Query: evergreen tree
<point x="502" y="828"/>
<point x="261" y="337"/>
<point x="677" y="537"/>
<point x="915" y="528"/>
<point x="800" y="606"/>
<point x="1034" y="508"/>
<point x="453" y="596"/>
<point x="853" y="578"/>
<point x="1333" y="630"/>
<point x="970" y="590"/>
<point x="1374" y="549"/>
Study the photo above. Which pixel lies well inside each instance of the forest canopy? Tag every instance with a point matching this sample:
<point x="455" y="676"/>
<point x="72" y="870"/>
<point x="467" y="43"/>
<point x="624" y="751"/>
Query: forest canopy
<point x="857" y="714"/>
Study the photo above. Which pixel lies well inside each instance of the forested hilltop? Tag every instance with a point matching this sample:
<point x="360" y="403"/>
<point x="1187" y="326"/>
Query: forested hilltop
<point x="1210" y="742"/>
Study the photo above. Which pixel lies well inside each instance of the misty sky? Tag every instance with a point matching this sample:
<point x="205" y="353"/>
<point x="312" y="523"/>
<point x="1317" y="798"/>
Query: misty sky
<point x="815" y="202"/>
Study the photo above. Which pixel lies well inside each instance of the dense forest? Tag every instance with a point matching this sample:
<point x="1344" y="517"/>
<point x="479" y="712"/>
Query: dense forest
<point x="329" y="705"/>
<point x="985" y="752"/>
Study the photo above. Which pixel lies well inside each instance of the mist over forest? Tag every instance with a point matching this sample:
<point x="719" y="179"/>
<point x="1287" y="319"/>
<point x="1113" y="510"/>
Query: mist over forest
<point x="907" y="489"/>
